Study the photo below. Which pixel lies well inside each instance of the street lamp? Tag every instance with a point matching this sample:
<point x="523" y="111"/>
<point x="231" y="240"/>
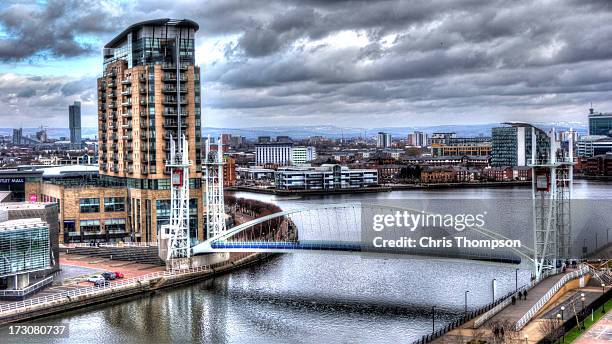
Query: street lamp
<point x="582" y="299"/>
<point x="516" y="280"/>
<point x="562" y="311"/>
<point x="433" y="319"/>
<point x="466" y="292"/>
<point x="603" y="292"/>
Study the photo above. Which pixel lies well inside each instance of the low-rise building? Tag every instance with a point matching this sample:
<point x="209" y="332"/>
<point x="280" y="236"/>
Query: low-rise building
<point x="324" y="177"/>
<point x="498" y="174"/>
<point x="438" y="174"/>
<point x="29" y="249"/>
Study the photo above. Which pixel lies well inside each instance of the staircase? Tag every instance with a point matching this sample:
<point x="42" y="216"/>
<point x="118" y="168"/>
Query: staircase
<point x="142" y="255"/>
<point x="602" y="272"/>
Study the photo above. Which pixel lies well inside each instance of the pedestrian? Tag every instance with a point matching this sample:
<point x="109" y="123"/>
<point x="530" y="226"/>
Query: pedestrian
<point x="525" y="294"/>
<point x="501" y="332"/>
<point x="513" y="299"/>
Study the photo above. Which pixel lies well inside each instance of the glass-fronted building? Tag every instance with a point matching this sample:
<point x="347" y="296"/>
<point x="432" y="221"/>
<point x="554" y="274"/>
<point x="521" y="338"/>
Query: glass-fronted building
<point x="600" y="124"/>
<point x="24" y="246"/>
<point x="511" y="145"/>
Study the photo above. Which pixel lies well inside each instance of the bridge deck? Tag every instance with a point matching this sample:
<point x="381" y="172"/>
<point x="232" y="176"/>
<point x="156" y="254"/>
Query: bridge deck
<point x="514" y="312"/>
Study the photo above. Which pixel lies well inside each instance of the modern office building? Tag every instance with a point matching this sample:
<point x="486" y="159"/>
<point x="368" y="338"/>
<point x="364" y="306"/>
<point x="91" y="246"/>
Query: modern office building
<point x="29" y="249"/>
<point x="148" y="94"/>
<point x="383" y="140"/>
<point x="511" y="145"/>
<point x="277" y="153"/>
<point x="442" y="138"/>
<point x="324" y="177"/>
<point x="74" y="123"/>
<point x="592" y="145"/>
<point x="600" y="123"/>
<point x="301" y="155"/>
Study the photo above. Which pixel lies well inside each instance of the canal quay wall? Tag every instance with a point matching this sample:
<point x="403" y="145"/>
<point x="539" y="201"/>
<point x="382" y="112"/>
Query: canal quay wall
<point x="383" y="188"/>
<point x="116" y="291"/>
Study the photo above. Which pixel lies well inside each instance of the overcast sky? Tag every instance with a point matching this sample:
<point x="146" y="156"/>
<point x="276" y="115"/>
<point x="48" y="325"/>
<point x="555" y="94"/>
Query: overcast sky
<point x="346" y="63"/>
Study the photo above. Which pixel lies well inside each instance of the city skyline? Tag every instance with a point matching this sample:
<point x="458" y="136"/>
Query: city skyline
<point x="348" y="64"/>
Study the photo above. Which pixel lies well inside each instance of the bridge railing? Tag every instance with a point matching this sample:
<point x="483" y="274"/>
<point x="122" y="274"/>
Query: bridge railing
<point x="465" y="318"/>
<point x="544" y="299"/>
<point x="92" y="290"/>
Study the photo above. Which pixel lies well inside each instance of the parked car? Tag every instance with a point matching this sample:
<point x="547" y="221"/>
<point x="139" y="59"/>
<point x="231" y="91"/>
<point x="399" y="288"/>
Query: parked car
<point x="100" y="282"/>
<point x="95" y="278"/>
<point x="109" y="276"/>
<point x="119" y="274"/>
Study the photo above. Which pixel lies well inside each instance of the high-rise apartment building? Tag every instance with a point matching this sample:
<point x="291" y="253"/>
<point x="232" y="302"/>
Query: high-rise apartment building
<point x="600" y="123"/>
<point x="511" y="145"/>
<point x="148" y="94"/>
<point x="74" y="123"/>
<point x="18" y="136"/>
<point x="383" y="140"/>
<point x="417" y="139"/>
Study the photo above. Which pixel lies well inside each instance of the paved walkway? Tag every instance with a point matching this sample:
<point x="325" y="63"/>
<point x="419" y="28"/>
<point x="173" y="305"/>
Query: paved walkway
<point x="514" y="312"/>
<point x="508" y="316"/>
<point x="599" y="333"/>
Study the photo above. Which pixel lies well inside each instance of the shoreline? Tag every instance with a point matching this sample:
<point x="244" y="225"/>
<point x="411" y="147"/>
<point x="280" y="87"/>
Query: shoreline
<point x="383" y="188"/>
<point x="120" y="293"/>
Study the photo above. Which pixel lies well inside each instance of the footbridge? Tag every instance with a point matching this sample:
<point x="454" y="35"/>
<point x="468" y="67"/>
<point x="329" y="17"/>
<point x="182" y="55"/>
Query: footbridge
<point x="348" y="228"/>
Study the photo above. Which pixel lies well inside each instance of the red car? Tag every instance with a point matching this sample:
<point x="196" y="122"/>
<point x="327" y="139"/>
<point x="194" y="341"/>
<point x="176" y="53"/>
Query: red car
<point x="118" y="274"/>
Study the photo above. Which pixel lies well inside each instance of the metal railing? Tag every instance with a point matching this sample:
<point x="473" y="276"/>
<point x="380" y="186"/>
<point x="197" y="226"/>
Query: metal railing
<point x="544" y="299"/>
<point x="28" y="289"/>
<point x="92" y="290"/>
<point x="492" y="312"/>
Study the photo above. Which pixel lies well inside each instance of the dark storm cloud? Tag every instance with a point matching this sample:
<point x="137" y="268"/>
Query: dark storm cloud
<point x="408" y="60"/>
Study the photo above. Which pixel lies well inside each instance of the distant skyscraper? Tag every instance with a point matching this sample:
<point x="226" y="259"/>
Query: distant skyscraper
<point x="600" y="123"/>
<point x="383" y="140"/>
<point x="74" y="122"/>
<point x="417" y="139"/>
<point x="17" y="136"/>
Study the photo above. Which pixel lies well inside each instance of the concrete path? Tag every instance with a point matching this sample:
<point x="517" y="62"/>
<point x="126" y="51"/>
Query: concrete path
<point x="599" y="333"/>
<point x="514" y="312"/>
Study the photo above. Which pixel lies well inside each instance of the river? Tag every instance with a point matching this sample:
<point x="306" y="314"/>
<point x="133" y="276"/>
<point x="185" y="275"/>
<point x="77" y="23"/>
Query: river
<point x="310" y="298"/>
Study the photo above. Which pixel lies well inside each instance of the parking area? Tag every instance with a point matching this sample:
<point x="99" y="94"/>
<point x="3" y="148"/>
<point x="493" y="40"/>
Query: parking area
<point x="75" y="269"/>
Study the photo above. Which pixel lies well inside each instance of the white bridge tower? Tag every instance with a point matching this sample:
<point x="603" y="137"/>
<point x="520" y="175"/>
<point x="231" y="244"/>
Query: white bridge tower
<point x="552" y="178"/>
<point x="175" y="235"/>
<point x="213" y="195"/>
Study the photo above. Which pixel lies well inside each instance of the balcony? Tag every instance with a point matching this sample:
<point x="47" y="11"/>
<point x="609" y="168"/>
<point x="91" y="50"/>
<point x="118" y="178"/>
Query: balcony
<point x="142" y="91"/>
<point x="143" y="102"/>
<point x="112" y="73"/>
<point x="144" y="169"/>
<point x="129" y="147"/>
<point x="128" y="137"/>
<point x="127" y="92"/>
<point x="143" y="114"/>
<point x="172" y="66"/>
<point x="169" y="89"/>
<point x="127" y="124"/>
<point x="127" y="114"/>
<point x="112" y="105"/>
<point x="126" y="81"/>
<point x="142" y="78"/>
<point x="171" y="77"/>
<point x="112" y="95"/>
<point x="174" y="113"/>
<point x="112" y="84"/>
<point x="102" y="107"/>
<point x="127" y="102"/>
<point x="172" y="101"/>
<point x="174" y="124"/>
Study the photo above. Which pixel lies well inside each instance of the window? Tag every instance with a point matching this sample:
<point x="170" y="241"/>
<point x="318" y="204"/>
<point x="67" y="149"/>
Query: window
<point x="114" y="226"/>
<point x="89" y="226"/>
<point x="90" y="205"/>
<point x="114" y="204"/>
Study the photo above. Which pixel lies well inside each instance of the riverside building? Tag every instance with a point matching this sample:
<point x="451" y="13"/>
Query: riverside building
<point x="142" y="94"/>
